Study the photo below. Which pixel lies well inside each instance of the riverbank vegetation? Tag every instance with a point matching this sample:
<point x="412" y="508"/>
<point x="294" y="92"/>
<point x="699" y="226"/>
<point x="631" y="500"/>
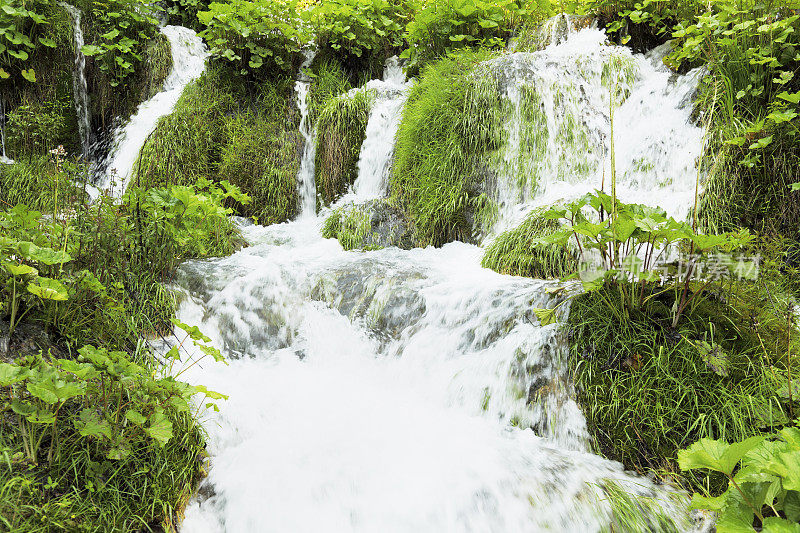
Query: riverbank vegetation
<point x="96" y="434"/>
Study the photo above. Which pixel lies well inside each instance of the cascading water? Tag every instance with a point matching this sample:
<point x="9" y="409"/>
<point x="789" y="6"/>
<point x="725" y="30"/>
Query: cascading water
<point x="189" y="55"/>
<point x="414" y="391"/>
<point x="79" y="85"/>
<point x="306" y="184"/>
<point x="375" y="159"/>
<point x="557" y="138"/>
<point x="4" y="159"/>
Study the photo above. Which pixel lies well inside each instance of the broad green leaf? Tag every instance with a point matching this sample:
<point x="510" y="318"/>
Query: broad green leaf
<point x="546" y="316"/>
<point x="29" y="75"/>
<point x="48" y="289"/>
<point x="44" y="255"/>
<point x="716" y="455"/>
<point x="160" y="427"/>
<point x="17" y="269"/>
<point x="793" y="98"/>
<point x="10" y="374"/>
<point x="135" y="417"/>
<point x="91" y="424"/>
<point x="779" y="525"/>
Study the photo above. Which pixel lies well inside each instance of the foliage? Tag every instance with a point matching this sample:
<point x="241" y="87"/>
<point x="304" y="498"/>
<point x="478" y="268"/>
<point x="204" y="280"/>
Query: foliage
<point x="371" y="225"/>
<point x="517" y="253"/>
<point x="629" y="240"/>
<point x="648" y="390"/>
<point x="258" y="38"/>
<point x="21" y="34"/>
<point x="341" y="128"/>
<point x="184" y="12"/>
<point x="442" y="27"/>
<point x="210" y="135"/>
<point x="763" y="476"/>
<point x="120" y="29"/>
<point x="450" y="121"/>
<point x="358" y="29"/>
<point x="35" y="182"/>
<point x="351" y="226"/>
<point x="35" y="128"/>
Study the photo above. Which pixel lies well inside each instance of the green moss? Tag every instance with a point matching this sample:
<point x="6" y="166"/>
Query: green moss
<point x="341" y="128"/>
<point x="451" y="120"/>
<point x="646" y="389"/>
<point x="513" y="252"/>
<point x="212" y="134"/>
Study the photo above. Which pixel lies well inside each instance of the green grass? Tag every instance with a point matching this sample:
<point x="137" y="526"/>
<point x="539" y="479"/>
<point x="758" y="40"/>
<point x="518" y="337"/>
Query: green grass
<point x="451" y="120"/>
<point x="224" y="130"/>
<point x="341" y="128"/>
<point x="646" y="389"/>
<point x="513" y="252"/>
<point x="36" y="183"/>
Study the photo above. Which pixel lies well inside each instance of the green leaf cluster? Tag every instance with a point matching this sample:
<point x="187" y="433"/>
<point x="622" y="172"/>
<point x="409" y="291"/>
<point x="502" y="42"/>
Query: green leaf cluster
<point x="259" y="38"/>
<point x="763" y="481"/>
<point x="21" y="33"/>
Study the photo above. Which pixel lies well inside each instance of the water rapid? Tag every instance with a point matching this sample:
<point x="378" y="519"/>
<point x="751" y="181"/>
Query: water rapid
<point x="189" y="55"/>
<point x="79" y="84"/>
<point x="414" y="391"/>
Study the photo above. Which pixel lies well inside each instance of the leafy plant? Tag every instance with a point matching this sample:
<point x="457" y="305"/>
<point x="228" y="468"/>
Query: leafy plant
<point x="259" y="38"/>
<point x="358" y="28"/>
<point x="21" y="34"/>
<point x="119" y="30"/>
<point x="763" y="476"/>
<point x="625" y="242"/>
<point x="441" y="27"/>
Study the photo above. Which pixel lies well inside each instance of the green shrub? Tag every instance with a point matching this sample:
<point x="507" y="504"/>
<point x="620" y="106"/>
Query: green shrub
<point x="351" y="226"/>
<point x="359" y="30"/>
<point x="184" y="12"/>
<point x="24" y="34"/>
<point x="517" y="252"/>
<point x="258" y="38"/>
<point x="451" y="121"/>
<point x="119" y="32"/>
<point x="211" y="135"/>
<point x="341" y="128"/>
<point x="442" y="27"/>
<point x="37" y="127"/>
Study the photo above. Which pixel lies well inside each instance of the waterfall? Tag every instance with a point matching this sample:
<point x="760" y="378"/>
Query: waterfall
<point x="79" y="85"/>
<point x="306" y="185"/>
<point x="189" y="55"/>
<point x="557" y="136"/>
<point x="377" y="150"/>
<point x="414" y="391"/>
<point x="4" y="159"/>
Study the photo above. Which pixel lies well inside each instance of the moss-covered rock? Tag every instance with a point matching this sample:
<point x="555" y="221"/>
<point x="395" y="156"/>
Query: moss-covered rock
<point x="516" y="252"/>
<point x="223" y="129"/>
<point x="369" y="226"/>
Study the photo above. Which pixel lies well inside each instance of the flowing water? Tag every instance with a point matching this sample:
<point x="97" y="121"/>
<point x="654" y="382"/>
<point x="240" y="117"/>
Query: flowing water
<point x="79" y="85"/>
<point x="189" y="55"/>
<point x="4" y="159"/>
<point x="375" y="159"/>
<point x="414" y="391"/>
<point x="306" y="184"/>
<point x="558" y="132"/>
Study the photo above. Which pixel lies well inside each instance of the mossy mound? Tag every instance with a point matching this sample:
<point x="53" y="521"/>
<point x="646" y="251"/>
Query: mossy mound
<point x="341" y="128"/>
<point x="214" y="134"/>
<point x="515" y="252"/>
<point x="648" y="390"/>
<point x="369" y="226"/>
<point x="451" y="121"/>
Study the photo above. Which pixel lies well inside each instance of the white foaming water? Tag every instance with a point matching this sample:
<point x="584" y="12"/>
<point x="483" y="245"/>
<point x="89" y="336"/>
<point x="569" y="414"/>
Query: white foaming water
<point x="557" y="138"/>
<point x="189" y="55"/>
<point x="79" y="85"/>
<point x="414" y="391"/>
<point x="390" y="391"/>
<point x="377" y="150"/>
<point x="306" y="184"/>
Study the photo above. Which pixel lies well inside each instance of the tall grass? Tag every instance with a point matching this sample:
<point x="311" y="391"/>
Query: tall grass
<point x="451" y="120"/>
